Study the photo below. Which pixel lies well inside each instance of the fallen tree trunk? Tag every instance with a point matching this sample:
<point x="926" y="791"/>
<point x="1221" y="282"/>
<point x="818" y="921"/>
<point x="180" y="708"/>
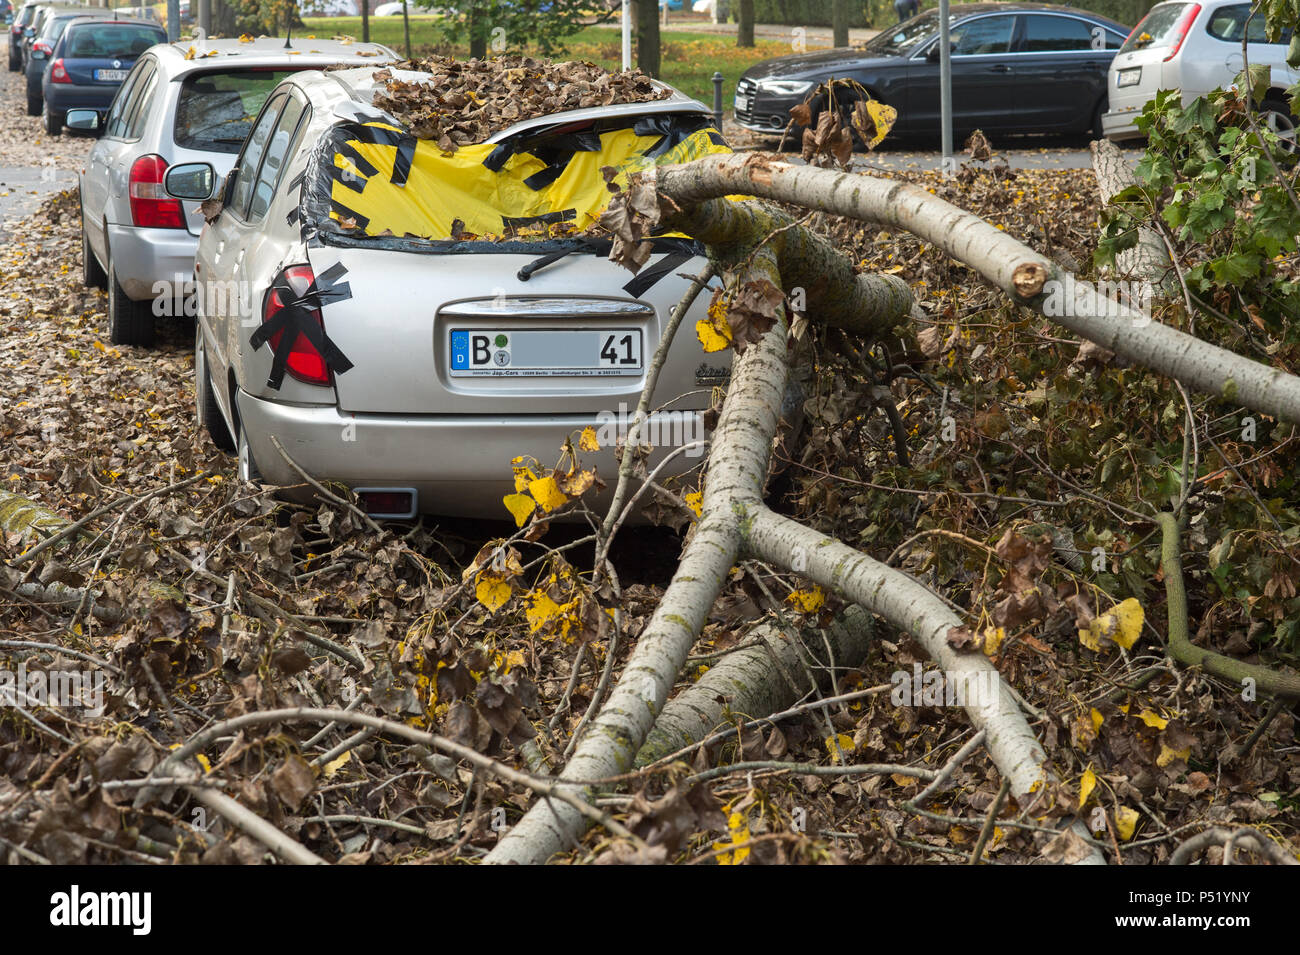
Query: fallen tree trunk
<point x="734" y="519"/>
<point x="756" y="681"/>
<point x="1148" y="261"/>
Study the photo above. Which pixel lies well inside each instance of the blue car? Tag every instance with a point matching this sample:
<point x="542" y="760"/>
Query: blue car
<point x="89" y="63"/>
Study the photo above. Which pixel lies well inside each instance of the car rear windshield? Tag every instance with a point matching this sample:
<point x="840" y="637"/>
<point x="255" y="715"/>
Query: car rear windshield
<point x="1228" y="22"/>
<point x="215" y="111"/>
<point x="1158" y="29"/>
<point x="111" y="40"/>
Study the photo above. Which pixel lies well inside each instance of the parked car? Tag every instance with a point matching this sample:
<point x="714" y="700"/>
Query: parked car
<point x="389" y="9"/>
<point x="330" y="8"/>
<point x="169" y="110"/>
<point x="1196" y="47"/>
<point x="21" y="21"/>
<point x="50" y="29"/>
<point x="1016" y="68"/>
<point x="30" y="32"/>
<point x="414" y="369"/>
<point x="89" y="63"/>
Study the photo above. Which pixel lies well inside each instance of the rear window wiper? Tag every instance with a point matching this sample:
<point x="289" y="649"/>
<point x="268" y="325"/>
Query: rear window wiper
<point x="550" y="258"/>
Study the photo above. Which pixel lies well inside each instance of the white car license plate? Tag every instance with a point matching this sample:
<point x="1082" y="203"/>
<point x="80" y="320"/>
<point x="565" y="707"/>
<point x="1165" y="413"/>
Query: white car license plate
<point x="115" y="76"/>
<point x="1128" y="77"/>
<point x="742" y="103"/>
<point x="544" y="353"/>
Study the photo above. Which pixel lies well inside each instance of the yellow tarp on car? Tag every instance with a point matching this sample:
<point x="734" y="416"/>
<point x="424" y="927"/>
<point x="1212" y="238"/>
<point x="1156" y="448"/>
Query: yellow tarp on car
<point x="385" y="182"/>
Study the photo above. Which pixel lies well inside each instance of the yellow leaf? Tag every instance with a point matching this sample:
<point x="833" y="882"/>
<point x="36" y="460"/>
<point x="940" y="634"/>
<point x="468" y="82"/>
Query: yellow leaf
<point x="713" y="338"/>
<point x="1168" y="755"/>
<point x="1153" y="719"/>
<point x="1086" y="785"/>
<point x="492" y="591"/>
<point x="993" y="637"/>
<point x="958" y="836"/>
<point x="839" y="745"/>
<point x="334" y="765"/>
<point x="902" y="780"/>
<point x="203" y="761"/>
<point x="542" y="611"/>
<point x="1122" y="624"/>
<point x="189" y="54"/>
<point x="739" y="836"/>
<point x="694" y="500"/>
<point x="520" y="505"/>
<point x="99" y="346"/>
<point x="1125" y="823"/>
<point x="807" y="601"/>
<point x="576" y="484"/>
<point x="547" y="493"/>
<point x="588" y="441"/>
<point x="1097" y="720"/>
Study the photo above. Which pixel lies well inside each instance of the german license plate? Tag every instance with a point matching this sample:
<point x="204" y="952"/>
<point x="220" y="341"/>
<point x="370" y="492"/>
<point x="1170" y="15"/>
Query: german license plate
<point x="115" y="76"/>
<point x="544" y="353"/>
<point x="742" y="103"/>
<point x="1128" y="77"/>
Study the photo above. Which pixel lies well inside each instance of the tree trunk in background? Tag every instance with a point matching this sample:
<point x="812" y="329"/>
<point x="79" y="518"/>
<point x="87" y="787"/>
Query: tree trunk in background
<point x="406" y="29"/>
<point x="745" y="31"/>
<point x="647" y="37"/>
<point x="840" y="22"/>
<point x="478" y="32"/>
<point x="365" y="21"/>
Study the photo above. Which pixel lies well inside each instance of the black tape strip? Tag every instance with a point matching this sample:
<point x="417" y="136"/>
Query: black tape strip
<point x="375" y="136"/>
<point x="546" y="218"/>
<point x="647" y="278"/>
<point x="402" y="162"/>
<point x="297" y="180"/>
<point x="673" y="130"/>
<point x="298" y="316"/>
<point x="343" y="212"/>
<point x="292" y="217"/>
<point x="348" y="179"/>
<point x="353" y="155"/>
<point x="540" y="180"/>
<point x="715" y="137"/>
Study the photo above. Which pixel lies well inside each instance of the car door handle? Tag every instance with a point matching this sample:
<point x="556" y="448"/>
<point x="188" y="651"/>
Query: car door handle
<point x="1000" y="68"/>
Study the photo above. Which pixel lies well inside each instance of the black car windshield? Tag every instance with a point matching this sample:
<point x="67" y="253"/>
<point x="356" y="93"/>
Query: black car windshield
<point x="903" y="40"/>
<point x="111" y="40"/>
<point x="215" y="111"/>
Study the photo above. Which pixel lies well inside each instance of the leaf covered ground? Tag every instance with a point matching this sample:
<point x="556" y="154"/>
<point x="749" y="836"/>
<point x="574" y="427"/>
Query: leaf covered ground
<point x="1028" y="455"/>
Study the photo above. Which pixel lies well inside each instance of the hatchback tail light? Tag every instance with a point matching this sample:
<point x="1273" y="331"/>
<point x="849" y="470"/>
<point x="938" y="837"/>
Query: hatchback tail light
<point x="305" y="362"/>
<point x="1182" y="28"/>
<point x="57" y="73"/>
<point x="40" y="46"/>
<point x="151" y="207"/>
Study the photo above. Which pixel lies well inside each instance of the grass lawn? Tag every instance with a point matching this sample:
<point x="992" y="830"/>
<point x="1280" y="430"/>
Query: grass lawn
<point x="689" y="59"/>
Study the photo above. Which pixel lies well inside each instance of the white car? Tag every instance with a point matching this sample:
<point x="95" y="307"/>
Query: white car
<point x="182" y="102"/>
<point x="1195" y="48"/>
<point x="389" y="9"/>
<point x="407" y="321"/>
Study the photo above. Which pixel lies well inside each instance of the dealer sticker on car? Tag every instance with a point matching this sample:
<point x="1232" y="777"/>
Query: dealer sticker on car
<point x="545" y="352"/>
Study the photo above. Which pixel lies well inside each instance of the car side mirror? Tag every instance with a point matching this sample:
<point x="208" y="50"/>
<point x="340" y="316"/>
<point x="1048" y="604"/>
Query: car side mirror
<point x="86" y="120"/>
<point x="191" y="180"/>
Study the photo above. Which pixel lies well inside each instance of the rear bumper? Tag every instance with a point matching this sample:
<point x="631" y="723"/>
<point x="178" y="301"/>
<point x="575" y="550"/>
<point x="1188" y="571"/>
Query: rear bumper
<point x="142" y="257"/>
<point x="65" y="96"/>
<point x="458" y="464"/>
<point x="1117" y="125"/>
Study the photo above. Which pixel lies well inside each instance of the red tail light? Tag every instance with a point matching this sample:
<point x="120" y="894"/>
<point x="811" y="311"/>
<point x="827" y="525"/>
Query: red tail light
<point x="150" y="205"/>
<point x="304" y="363"/>
<point x="57" y="73"/>
<point x="40" y="46"/>
<point x="1182" y="28"/>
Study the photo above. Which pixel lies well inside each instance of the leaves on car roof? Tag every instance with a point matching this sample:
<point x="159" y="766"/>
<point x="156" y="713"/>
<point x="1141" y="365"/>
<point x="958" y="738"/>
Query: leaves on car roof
<point x="468" y="101"/>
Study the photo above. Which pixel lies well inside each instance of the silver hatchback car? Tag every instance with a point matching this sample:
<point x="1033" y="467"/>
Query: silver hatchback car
<point x="355" y="307"/>
<point x="182" y="102"/>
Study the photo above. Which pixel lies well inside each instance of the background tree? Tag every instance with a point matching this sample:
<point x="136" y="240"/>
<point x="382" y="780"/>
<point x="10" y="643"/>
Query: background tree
<point x="647" y="37"/>
<point x="745" y="30"/>
<point x="840" y="22"/>
<point x="495" y="26"/>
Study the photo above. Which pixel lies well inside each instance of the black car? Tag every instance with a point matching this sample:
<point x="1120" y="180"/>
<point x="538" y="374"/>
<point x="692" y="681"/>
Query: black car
<point x="42" y="45"/>
<point x="89" y="63"/>
<point x="1016" y="68"/>
<point x="23" y="19"/>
